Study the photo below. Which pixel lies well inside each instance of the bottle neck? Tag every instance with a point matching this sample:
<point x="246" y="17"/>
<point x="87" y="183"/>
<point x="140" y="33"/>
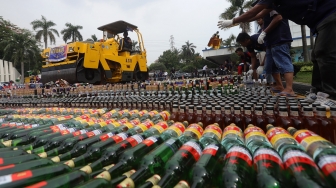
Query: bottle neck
<point x="294" y="113"/>
<point x="308" y="113"/>
<point x="283" y="114"/>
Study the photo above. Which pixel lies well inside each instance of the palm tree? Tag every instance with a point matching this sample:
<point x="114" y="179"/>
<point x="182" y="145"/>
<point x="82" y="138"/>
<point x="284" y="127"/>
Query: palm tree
<point x="46" y="31"/>
<point x="72" y="33"/>
<point x="135" y="46"/>
<point x="20" y="48"/>
<point x="230" y="43"/>
<point x="93" y="38"/>
<point x="237" y="8"/>
<point x="187" y="51"/>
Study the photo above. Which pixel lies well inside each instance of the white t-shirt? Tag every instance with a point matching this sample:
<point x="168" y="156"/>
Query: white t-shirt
<point x="205" y="67"/>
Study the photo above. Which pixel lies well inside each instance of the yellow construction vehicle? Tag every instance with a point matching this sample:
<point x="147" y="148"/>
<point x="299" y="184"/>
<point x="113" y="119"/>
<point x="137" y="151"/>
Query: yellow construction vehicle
<point x="111" y="59"/>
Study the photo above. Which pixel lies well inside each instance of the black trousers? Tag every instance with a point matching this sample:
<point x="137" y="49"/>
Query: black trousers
<point x="324" y="57"/>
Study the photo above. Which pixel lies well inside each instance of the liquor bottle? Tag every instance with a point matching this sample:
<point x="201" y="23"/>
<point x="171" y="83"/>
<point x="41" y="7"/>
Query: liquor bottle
<point x="252" y="134"/>
<point x="208" y="117"/>
<point x="12" y="153"/>
<point x="218" y="117"/>
<point x="70" y="179"/>
<point x="237" y="117"/>
<point x="267" y="162"/>
<point x="228" y="119"/>
<point x="111" y="154"/>
<point x="12" y="168"/>
<point x="325" y="125"/>
<point x="303" y="171"/>
<point x="232" y="135"/>
<point x="31" y="137"/>
<point x="191" y="114"/>
<point x="259" y="118"/>
<point x="28" y="177"/>
<point x="175" y="113"/>
<point x="199" y="114"/>
<point x="295" y="117"/>
<point x="94" y="152"/>
<point x="150" y="182"/>
<point x="269" y="116"/>
<point x="283" y="119"/>
<point x="18" y="159"/>
<point x="309" y="121"/>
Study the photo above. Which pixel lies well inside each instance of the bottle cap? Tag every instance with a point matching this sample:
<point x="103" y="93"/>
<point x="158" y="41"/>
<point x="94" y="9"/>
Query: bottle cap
<point x="182" y="184"/>
<point x="269" y="107"/>
<point x="269" y="126"/>
<point x="128" y="182"/>
<point x="294" y="108"/>
<point x="86" y="169"/>
<point x="321" y="108"/>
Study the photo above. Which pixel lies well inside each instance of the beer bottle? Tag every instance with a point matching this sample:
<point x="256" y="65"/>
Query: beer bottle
<point x="309" y="121"/>
<point x="65" y="180"/>
<point x="238" y="120"/>
<point x="269" y="116"/>
<point x="18" y="159"/>
<point x="182" y="114"/>
<point x="111" y="154"/>
<point x="295" y="117"/>
<point x="191" y="114"/>
<point x="199" y="114"/>
<point x="12" y="168"/>
<point x="228" y="119"/>
<point x="232" y="135"/>
<point x="258" y="118"/>
<point x="326" y="126"/>
<point x="283" y="119"/>
<point x="28" y="177"/>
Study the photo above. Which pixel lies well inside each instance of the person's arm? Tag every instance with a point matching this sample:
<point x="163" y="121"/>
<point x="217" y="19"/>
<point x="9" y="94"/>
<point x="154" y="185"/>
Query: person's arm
<point x="250" y="14"/>
<point x="261" y="14"/>
<point x="277" y="18"/>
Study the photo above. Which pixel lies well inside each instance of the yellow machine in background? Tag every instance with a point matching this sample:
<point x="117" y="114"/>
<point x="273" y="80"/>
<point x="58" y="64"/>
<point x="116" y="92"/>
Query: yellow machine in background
<point x="97" y="62"/>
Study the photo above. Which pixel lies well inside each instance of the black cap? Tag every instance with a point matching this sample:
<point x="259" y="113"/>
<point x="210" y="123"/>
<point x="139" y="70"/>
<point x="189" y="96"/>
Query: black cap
<point x="199" y="107"/>
<point x="217" y="108"/>
<point x="294" y="108"/>
<point x="321" y="108"/>
<point x="227" y="107"/>
<point x="208" y="107"/>
<point x="236" y="108"/>
<point x="269" y="107"/>
<point x="307" y="108"/>
<point x="258" y="108"/>
<point x="175" y="106"/>
<point x="315" y="104"/>
<point x="283" y="108"/>
<point x="333" y="108"/>
<point x="247" y="107"/>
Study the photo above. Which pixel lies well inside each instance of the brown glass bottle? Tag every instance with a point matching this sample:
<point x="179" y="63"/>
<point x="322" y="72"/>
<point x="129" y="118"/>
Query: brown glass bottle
<point x="238" y="120"/>
<point x="182" y="114"/>
<point x="218" y="116"/>
<point x="258" y="118"/>
<point x="294" y="115"/>
<point x="175" y="113"/>
<point x="191" y="114"/>
<point x="199" y="114"/>
<point x="283" y="119"/>
<point x="247" y="116"/>
<point x="333" y="119"/>
<point x="208" y="118"/>
<point x="325" y="124"/>
<point x="309" y="121"/>
<point x="269" y="116"/>
<point x="314" y="105"/>
<point x="228" y="118"/>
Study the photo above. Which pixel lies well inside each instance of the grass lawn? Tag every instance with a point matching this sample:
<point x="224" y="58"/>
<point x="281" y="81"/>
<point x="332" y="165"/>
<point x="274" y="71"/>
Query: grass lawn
<point x="304" y="77"/>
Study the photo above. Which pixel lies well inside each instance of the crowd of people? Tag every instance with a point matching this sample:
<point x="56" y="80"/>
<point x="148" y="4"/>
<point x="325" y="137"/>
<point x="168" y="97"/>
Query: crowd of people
<point x="275" y="39"/>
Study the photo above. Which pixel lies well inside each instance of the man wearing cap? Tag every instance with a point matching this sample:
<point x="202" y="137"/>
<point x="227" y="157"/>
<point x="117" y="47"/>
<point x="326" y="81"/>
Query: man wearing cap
<point x="320" y="17"/>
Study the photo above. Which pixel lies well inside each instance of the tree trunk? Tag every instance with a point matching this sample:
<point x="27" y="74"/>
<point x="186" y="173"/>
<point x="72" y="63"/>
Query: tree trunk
<point x="304" y="43"/>
<point x="22" y="72"/>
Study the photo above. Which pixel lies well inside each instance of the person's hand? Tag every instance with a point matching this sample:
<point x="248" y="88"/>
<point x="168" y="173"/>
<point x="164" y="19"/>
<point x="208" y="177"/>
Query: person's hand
<point x="261" y="37"/>
<point x="260" y="70"/>
<point x="225" y="23"/>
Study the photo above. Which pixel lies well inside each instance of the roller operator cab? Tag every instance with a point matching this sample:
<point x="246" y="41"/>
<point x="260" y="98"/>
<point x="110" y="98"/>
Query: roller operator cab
<point x="111" y="59"/>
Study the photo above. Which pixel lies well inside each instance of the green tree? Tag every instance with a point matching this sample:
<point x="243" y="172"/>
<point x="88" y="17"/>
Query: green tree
<point x="21" y="48"/>
<point x="187" y="51"/>
<point x="72" y="33"/>
<point x="46" y="31"/>
<point x="230" y="43"/>
<point x="157" y="66"/>
<point x="135" y="46"/>
<point x="170" y="58"/>
<point x="237" y="8"/>
<point x="93" y="38"/>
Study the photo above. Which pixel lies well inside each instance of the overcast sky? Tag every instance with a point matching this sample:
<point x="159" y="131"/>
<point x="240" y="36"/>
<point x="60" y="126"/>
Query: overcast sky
<point x="157" y="20"/>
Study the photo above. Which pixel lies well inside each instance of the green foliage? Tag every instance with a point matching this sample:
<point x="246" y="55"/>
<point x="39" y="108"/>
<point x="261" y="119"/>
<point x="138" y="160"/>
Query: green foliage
<point x="71" y="32"/>
<point x="45" y="31"/>
<point x="157" y="66"/>
<point x="304" y="64"/>
<point x="188" y="68"/>
<point x="170" y="59"/>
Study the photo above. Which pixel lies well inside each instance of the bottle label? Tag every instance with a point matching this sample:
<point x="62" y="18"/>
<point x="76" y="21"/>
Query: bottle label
<point x="161" y="126"/>
<point x="258" y="113"/>
<point x="214" y="130"/>
<point x="283" y="114"/>
<point x="255" y="134"/>
<point x="237" y="112"/>
<point x="269" y="112"/>
<point x="210" y="149"/>
<point x="134" y="112"/>
<point x="247" y="112"/>
<point x="333" y="113"/>
<point x="102" y="124"/>
<point x="191" y="111"/>
<point x="84" y="117"/>
<point x="15" y="177"/>
<point x="93" y="133"/>
<point x="106" y="136"/>
<point x="80" y="132"/>
<point x="153" y="113"/>
<point x="232" y="133"/>
<point x="68" y="131"/>
<point x="150" y="141"/>
<point x="196" y="129"/>
<point x="227" y="112"/>
<point x="38" y="185"/>
<point x="119" y="137"/>
<point x="123" y="121"/>
<point x="232" y="127"/>
<point x="193" y="148"/>
<point x="253" y="129"/>
<point x="300" y="135"/>
<point x="134" y="140"/>
<point x="274" y="131"/>
<point x="135" y="122"/>
<point x="165" y="115"/>
<point x="297" y="156"/>
<point x="280" y="136"/>
<point x="58" y="129"/>
<point x="321" y="113"/>
<point x="199" y="112"/>
<point x="145" y="125"/>
<point x="327" y="164"/>
<point x="310" y="140"/>
<point x="175" y="109"/>
<point x="142" y="112"/>
<point x="240" y="152"/>
<point x="130" y="125"/>
<point x="267" y="154"/>
<point x="182" y="110"/>
<point x="294" y="113"/>
<point x="178" y="128"/>
<point x="172" y="144"/>
<point x="308" y="113"/>
<point x="208" y="112"/>
<point x="110" y="121"/>
<point x="31" y="126"/>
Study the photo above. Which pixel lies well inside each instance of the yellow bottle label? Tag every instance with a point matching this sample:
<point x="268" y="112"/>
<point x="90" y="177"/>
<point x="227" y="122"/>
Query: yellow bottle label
<point x="176" y="129"/>
<point x="214" y="130"/>
<point x="165" y="115"/>
<point x="129" y="125"/>
<point x="196" y="129"/>
<point x="102" y="124"/>
<point x="255" y="134"/>
<point x="310" y="140"/>
<point x="143" y="127"/>
<point x="280" y="136"/>
<point x="234" y="132"/>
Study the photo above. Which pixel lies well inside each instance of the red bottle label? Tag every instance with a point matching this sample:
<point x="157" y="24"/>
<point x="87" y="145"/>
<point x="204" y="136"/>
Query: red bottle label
<point x="122" y="121"/>
<point x="15" y="177"/>
<point x="1" y="161"/>
<point x="150" y="141"/>
<point x="106" y="136"/>
<point x="93" y="133"/>
<point x="134" y="140"/>
<point x="327" y="164"/>
<point x="211" y="149"/>
<point x="267" y="154"/>
<point x="302" y="134"/>
<point x="119" y="137"/>
<point x="274" y="131"/>
<point x="297" y="157"/>
<point x="80" y="132"/>
<point x="193" y="148"/>
<point x="252" y="129"/>
<point x="240" y="152"/>
<point x="7" y="166"/>
<point x="232" y="127"/>
<point x="38" y="185"/>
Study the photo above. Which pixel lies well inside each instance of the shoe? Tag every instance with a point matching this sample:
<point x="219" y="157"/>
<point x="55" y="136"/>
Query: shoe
<point x="275" y="90"/>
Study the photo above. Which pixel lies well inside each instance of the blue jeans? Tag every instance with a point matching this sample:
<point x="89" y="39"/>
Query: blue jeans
<point x="278" y="60"/>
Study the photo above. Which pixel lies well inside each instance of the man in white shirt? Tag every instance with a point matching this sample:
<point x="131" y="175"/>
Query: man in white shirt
<point x="204" y="70"/>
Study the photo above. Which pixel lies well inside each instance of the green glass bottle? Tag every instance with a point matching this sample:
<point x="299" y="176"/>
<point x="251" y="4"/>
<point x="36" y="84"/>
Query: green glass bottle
<point x="18" y="159"/>
<point x="67" y="180"/>
<point x="28" y="177"/>
<point x="31" y="137"/>
<point x="12" y="153"/>
<point x="111" y="154"/>
<point x="12" y="168"/>
<point x="232" y="135"/>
